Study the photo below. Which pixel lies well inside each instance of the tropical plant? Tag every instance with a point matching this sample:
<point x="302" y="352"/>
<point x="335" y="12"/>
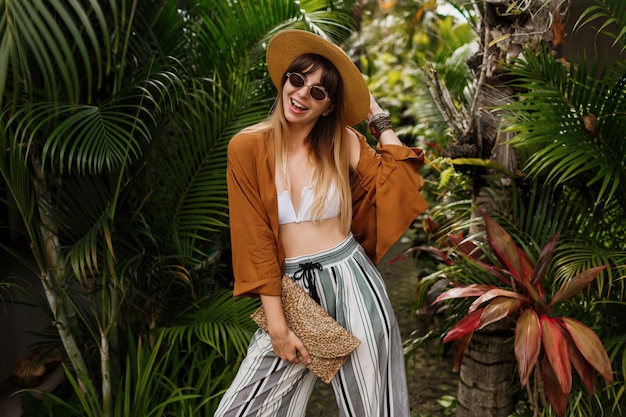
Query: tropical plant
<point x="565" y="121"/>
<point x="181" y="370"/>
<point x="534" y="213"/>
<point x="520" y="294"/>
<point x="569" y="132"/>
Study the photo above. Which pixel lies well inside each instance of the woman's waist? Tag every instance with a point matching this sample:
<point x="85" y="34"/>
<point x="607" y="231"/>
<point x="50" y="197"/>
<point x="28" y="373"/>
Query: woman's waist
<point x="328" y="256"/>
<point x="305" y="238"/>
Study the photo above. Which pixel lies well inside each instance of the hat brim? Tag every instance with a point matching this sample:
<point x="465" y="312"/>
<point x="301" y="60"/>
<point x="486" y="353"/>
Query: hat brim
<point x="289" y="44"/>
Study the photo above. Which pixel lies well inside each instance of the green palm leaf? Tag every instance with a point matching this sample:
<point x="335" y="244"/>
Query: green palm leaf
<point x="84" y="216"/>
<point x="612" y="16"/>
<point x="84" y="139"/>
<point x="554" y="125"/>
<point x="222" y="322"/>
<point x="14" y="167"/>
<point x="59" y="38"/>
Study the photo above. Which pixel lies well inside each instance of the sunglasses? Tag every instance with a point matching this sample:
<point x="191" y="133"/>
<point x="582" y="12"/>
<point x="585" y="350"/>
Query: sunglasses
<point x="317" y="92"/>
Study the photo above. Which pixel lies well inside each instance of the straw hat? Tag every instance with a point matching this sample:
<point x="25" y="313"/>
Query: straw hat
<point x="287" y="45"/>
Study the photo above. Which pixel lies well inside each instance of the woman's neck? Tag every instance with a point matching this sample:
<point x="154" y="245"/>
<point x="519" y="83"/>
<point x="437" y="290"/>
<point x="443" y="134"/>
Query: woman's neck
<point x="298" y="135"/>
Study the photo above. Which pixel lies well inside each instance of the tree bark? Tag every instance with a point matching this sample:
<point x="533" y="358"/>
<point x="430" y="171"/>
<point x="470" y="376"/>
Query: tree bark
<point x="65" y="319"/>
<point x="487" y="376"/>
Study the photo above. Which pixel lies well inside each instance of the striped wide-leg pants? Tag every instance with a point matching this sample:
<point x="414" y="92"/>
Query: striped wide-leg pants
<point x="371" y="383"/>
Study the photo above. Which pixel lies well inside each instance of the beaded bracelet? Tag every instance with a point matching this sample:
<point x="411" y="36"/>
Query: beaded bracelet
<point x="379" y="123"/>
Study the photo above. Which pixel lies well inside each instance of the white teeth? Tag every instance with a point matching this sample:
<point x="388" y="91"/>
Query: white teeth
<point x="298" y="105"/>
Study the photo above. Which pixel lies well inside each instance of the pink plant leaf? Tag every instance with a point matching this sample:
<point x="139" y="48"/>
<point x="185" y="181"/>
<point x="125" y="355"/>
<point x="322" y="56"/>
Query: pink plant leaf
<point x="493" y="293"/>
<point x="527" y="344"/>
<point x="436" y="253"/>
<point x="527" y="264"/>
<point x="504" y="246"/>
<point x="495" y="271"/>
<point x="498" y="309"/>
<point x="584" y="369"/>
<point x="576" y="284"/>
<point x="464" y="326"/>
<point x="544" y="260"/>
<point x="462" y="345"/>
<point x="556" y="396"/>
<point x="535" y="294"/>
<point x="590" y="346"/>
<point x="555" y="347"/>
<point x="474" y="253"/>
<point x="472" y="290"/>
<point x="465" y="246"/>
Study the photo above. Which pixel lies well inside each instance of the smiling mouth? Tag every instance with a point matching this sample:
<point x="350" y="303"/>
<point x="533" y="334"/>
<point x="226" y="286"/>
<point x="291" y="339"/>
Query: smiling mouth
<point x="298" y="105"/>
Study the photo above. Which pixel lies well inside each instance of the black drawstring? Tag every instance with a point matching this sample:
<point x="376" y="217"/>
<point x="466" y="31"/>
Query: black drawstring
<point x="306" y="272"/>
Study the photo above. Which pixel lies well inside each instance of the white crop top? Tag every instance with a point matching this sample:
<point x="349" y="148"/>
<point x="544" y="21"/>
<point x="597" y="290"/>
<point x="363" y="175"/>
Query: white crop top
<point x="287" y="213"/>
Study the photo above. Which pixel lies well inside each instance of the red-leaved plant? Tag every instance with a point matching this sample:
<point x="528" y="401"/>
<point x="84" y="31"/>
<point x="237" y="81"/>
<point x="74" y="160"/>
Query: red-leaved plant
<point x="565" y="341"/>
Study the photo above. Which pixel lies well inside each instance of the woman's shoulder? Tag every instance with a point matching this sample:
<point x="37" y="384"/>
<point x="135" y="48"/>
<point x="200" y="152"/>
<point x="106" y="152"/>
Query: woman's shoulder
<point x="248" y="137"/>
<point x="248" y="141"/>
<point x="354" y="134"/>
<point x="357" y="145"/>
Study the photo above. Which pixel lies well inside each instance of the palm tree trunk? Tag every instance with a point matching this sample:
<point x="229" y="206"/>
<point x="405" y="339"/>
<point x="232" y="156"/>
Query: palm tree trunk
<point x="109" y="345"/>
<point x="486" y="379"/>
<point x="105" y="366"/>
<point x="61" y="306"/>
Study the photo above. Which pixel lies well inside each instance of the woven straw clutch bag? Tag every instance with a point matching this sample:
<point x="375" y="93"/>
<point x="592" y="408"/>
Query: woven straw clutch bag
<point x="328" y="343"/>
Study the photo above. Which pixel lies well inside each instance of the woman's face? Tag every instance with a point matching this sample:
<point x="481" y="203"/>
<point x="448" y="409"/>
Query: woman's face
<point x="300" y="108"/>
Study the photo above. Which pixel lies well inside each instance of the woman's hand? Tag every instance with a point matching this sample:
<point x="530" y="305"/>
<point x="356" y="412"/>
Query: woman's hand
<point x="374" y="108"/>
<point x="286" y="344"/>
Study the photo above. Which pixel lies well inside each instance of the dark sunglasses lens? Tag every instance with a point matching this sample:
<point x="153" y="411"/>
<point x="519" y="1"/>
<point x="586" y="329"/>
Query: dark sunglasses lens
<point x="317" y="93"/>
<point x="296" y="80"/>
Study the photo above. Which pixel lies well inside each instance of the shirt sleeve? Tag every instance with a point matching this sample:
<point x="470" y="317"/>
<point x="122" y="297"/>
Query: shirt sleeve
<point x="386" y="195"/>
<point x="256" y="265"/>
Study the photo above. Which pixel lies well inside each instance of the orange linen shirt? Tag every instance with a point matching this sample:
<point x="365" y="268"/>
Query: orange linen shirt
<point x="386" y="199"/>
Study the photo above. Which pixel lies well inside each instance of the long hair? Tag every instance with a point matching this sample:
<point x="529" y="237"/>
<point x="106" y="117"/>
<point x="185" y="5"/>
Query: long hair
<point x="329" y="147"/>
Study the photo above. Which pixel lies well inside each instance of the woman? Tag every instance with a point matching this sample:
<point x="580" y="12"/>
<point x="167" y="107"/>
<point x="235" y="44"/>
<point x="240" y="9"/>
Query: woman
<point x="309" y="198"/>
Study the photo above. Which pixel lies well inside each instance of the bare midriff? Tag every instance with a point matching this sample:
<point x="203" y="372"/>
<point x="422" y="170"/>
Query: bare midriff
<point x="306" y="238"/>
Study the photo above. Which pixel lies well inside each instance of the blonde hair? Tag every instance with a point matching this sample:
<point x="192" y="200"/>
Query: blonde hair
<point x="328" y="142"/>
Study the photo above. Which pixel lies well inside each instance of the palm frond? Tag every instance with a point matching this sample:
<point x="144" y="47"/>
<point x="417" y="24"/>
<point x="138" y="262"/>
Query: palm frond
<point x="331" y="23"/>
<point x="541" y="211"/>
<point x="454" y="69"/>
<point x="184" y="195"/>
<point x="576" y="254"/>
<point x="223" y="323"/>
<point x="554" y="124"/>
<point x="227" y="34"/>
<point x="84" y="139"/>
<point x="14" y="167"/>
<point x="46" y="45"/>
<point x="611" y="15"/>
